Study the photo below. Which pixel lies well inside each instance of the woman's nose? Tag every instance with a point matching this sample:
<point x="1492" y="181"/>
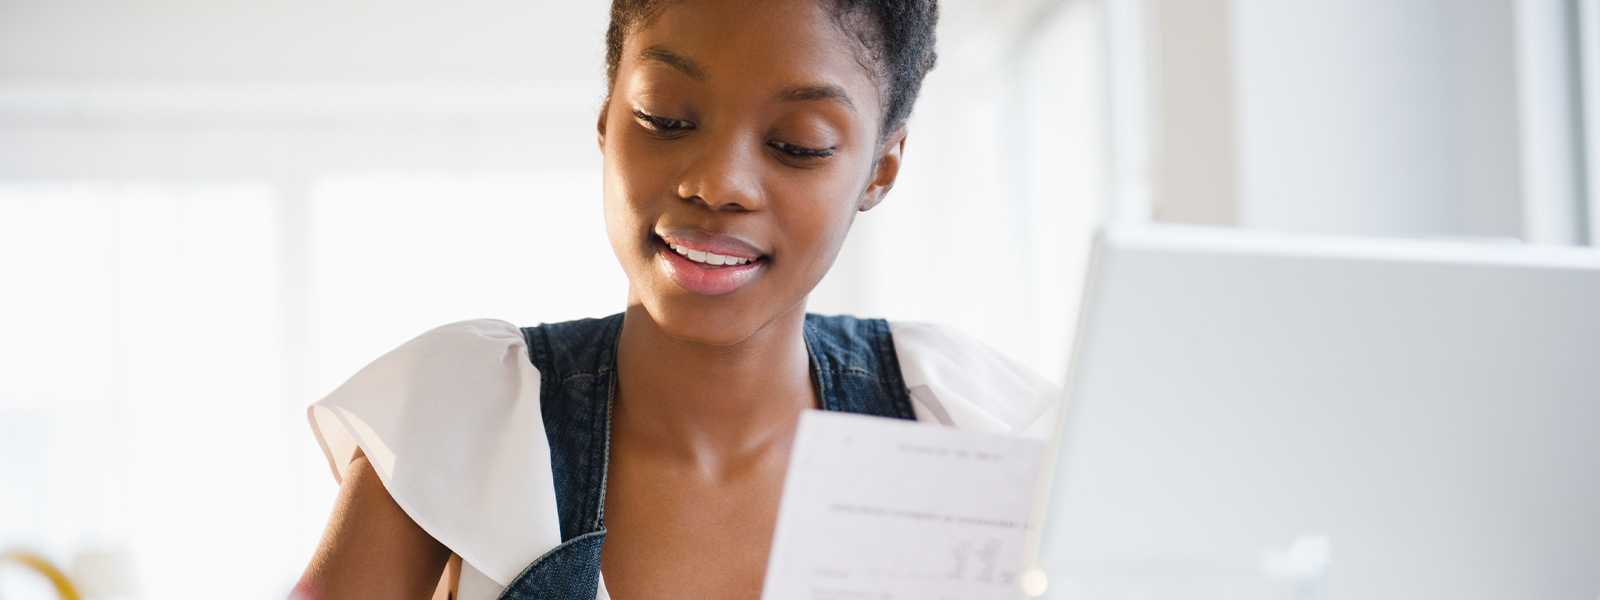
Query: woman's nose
<point x="725" y="175"/>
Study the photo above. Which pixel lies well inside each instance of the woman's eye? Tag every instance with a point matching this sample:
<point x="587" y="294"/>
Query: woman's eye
<point x="663" y="124"/>
<point x="800" y="151"/>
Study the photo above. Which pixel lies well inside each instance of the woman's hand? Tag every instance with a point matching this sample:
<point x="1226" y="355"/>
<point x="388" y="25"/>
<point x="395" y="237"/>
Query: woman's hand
<point x="371" y="548"/>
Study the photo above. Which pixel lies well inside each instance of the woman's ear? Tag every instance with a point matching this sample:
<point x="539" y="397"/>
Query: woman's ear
<point x="600" y="123"/>
<point x="884" y="170"/>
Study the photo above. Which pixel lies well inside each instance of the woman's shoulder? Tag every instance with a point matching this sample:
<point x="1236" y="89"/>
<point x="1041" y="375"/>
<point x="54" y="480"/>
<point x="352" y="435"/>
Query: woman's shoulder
<point x="467" y="366"/>
<point x="956" y="379"/>
<point x="450" y="421"/>
<point x="424" y="377"/>
<point x="449" y="348"/>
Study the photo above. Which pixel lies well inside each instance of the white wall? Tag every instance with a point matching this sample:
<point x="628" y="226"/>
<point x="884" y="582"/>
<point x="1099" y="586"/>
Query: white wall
<point x="295" y="40"/>
<point x="1383" y="117"/>
<point x="1351" y="112"/>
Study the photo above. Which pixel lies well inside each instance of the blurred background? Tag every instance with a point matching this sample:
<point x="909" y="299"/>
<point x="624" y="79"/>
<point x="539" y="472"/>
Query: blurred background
<point x="211" y="213"/>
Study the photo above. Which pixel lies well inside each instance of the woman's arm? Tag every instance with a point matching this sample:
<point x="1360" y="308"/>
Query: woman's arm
<point x="371" y="548"/>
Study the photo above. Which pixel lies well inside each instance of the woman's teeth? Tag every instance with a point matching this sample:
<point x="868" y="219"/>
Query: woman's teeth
<point x="707" y="258"/>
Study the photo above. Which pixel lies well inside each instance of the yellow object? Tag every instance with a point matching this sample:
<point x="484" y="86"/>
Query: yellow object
<point x="38" y="563"/>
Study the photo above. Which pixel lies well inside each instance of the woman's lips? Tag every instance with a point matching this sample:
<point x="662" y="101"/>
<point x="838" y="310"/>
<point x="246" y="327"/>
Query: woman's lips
<point x="702" y="276"/>
<point x="696" y="239"/>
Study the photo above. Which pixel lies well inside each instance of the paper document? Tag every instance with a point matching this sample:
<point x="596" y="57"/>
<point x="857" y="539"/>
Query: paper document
<point x="884" y="509"/>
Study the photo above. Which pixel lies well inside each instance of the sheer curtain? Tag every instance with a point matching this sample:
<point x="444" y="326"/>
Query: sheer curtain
<point x="143" y="409"/>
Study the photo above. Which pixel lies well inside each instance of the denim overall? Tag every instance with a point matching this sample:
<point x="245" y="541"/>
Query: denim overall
<point x="853" y="367"/>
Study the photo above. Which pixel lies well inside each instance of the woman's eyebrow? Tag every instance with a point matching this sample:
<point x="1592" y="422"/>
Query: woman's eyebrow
<point x="802" y="93"/>
<point x="799" y="93"/>
<point x="684" y="64"/>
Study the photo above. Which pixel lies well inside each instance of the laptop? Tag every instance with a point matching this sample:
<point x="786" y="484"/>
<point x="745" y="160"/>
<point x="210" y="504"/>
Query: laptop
<point x="1296" y="416"/>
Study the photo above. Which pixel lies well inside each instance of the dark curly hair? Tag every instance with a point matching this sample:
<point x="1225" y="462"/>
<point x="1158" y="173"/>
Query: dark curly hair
<point x="896" y="37"/>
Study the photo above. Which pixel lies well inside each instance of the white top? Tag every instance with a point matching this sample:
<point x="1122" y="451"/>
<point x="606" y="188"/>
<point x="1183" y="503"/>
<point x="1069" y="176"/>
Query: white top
<point x="451" y="423"/>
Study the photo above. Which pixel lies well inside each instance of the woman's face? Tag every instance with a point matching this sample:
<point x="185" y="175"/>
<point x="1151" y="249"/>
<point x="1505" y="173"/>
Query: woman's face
<point x="740" y="140"/>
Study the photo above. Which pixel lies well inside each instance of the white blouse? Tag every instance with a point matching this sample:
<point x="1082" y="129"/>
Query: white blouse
<point x="451" y="423"/>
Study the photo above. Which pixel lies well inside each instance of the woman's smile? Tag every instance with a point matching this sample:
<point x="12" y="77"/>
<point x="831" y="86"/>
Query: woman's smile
<point x="708" y="264"/>
<point x="709" y="259"/>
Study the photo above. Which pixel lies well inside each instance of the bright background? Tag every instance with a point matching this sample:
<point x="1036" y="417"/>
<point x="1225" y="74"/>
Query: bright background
<point x="213" y="212"/>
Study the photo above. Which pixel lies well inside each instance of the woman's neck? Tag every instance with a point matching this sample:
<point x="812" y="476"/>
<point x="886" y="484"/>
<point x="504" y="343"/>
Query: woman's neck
<point x="712" y="404"/>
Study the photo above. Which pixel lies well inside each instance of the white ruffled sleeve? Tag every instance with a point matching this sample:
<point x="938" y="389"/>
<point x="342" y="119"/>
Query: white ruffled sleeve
<point x="956" y="380"/>
<point x="450" y="421"/>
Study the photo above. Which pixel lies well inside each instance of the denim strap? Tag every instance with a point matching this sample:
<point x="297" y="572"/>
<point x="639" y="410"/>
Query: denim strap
<point x="855" y="368"/>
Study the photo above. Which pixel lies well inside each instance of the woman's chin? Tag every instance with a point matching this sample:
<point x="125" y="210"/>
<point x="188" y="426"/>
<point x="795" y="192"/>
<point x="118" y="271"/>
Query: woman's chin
<point x="712" y="323"/>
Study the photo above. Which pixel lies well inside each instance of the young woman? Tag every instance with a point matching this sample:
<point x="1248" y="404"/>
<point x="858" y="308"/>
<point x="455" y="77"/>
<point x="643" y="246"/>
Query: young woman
<point x="641" y="455"/>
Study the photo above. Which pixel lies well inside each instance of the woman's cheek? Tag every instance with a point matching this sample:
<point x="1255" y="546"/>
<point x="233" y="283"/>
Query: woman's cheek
<point x="636" y="176"/>
<point x="827" y="217"/>
<point x="625" y="213"/>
